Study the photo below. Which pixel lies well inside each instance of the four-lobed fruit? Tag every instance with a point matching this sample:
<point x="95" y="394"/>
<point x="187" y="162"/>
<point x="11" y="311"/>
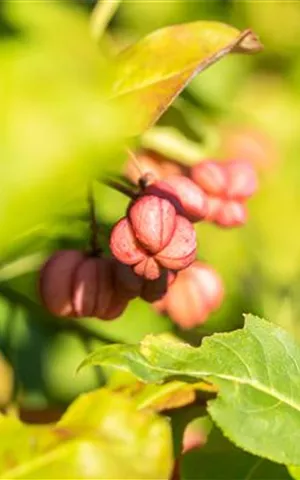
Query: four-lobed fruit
<point x="134" y="285"/>
<point x="153" y="242"/>
<point x="196" y="292"/>
<point x="73" y="284"/>
<point x="153" y="236"/>
<point x="211" y="190"/>
<point x="186" y="196"/>
<point x="227" y="186"/>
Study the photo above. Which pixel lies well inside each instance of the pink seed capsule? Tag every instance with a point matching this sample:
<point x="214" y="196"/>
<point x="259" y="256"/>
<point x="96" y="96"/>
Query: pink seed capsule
<point x="232" y="214"/>
<point x="162" y="189"/>
<point x="185" y="304"/>
<point x="73" y="284"/>
<point x="148" y="268"/>
<point x="197" y="291"/>
<point x="214" y="206"/>
<point x="211" y="176"/>
<point x="181" y="250"/>
<point x="92" y="287"/>
<point x="123" y="244"/>
<point x="153" y="221"/>
<point x="117" y="306"/>
<point x="154" y="235"/>
<point x="126" y="281"/>
<point x="132" y="285"/>
<point x="56" y="280"/>
<point x="192" y="198"/>
<point x="209" y="282"/>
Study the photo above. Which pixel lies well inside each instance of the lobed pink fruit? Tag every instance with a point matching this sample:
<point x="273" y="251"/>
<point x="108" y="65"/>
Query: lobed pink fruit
<point x="162" y="189"/>
<point x="210" y="283"/>
<point x="153" y="236"/>
<point x="148" y="268"/>
<point x="185" y="304"/>
<point x="56" y="280"/>
<point x="196" y="292"/>
<point x="73" y="284"/>
<point x="211" y="177"/>
<point x="227" y="186"/>
<point x="136" y="286"/>
<point x="191" y="197"/>
<point x="126" y="281"/>
<point x="124" y="245"/>
<point x="153" y="221"/>
<point x="214" y="207"/>
<point x="92" y="287"/>
<point x="232" y="214"/>
<point x="118" y="304"/>
<point x="181" y="250"/>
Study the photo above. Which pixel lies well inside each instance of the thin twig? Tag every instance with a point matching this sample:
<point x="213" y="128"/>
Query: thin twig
<point x="93" y="223"/>
<point x="119" y="187"/>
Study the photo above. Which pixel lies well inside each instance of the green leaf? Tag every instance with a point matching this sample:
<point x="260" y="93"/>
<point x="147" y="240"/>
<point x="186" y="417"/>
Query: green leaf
<point x="256" y="370"/>
<point x="152" y="72"/>
<point x="165" y="397"/>
<point x="102" y="435"/>
<point x="171" y="142"/>
<point x="221" y="459"/>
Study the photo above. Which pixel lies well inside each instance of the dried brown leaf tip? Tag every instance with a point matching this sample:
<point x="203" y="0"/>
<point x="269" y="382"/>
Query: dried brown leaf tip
<point x="248" y="42"/>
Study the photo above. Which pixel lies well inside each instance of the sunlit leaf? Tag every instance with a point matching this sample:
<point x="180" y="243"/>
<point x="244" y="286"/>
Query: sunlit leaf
<point x="152" y="72"/>
<point x="256" y="370"/>
<point x="102" y="435"/>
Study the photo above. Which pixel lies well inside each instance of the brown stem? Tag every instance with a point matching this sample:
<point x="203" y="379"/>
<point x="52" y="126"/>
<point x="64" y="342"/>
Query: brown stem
<point x="93" y="223"/>
<point x="175" y="475"/>
<point x="120" y="188"/>
<point x="145" y="180"/>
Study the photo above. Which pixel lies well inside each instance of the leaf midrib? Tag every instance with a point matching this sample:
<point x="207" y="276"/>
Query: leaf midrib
<point x="240" y="380"/>
<point x="194" y="67"/>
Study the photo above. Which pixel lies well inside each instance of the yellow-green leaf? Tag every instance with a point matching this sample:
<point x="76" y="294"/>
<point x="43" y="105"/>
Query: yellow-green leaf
<point x="102" y="435"/>
<point x="256" y="370"/>
<point x="151" y="73"/>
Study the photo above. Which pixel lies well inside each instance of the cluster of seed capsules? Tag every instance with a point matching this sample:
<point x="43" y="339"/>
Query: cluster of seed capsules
<point x="154" y="247"/>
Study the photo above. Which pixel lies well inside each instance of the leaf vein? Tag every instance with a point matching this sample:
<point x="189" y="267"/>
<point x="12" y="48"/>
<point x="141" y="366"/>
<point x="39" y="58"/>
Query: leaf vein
<point x="240" y="380"/>
<point x="266" y="365"/>
<point x="236" y="354"/>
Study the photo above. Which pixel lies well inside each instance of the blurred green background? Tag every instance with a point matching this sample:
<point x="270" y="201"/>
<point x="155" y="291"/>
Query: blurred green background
<point x="57" y="133"/>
